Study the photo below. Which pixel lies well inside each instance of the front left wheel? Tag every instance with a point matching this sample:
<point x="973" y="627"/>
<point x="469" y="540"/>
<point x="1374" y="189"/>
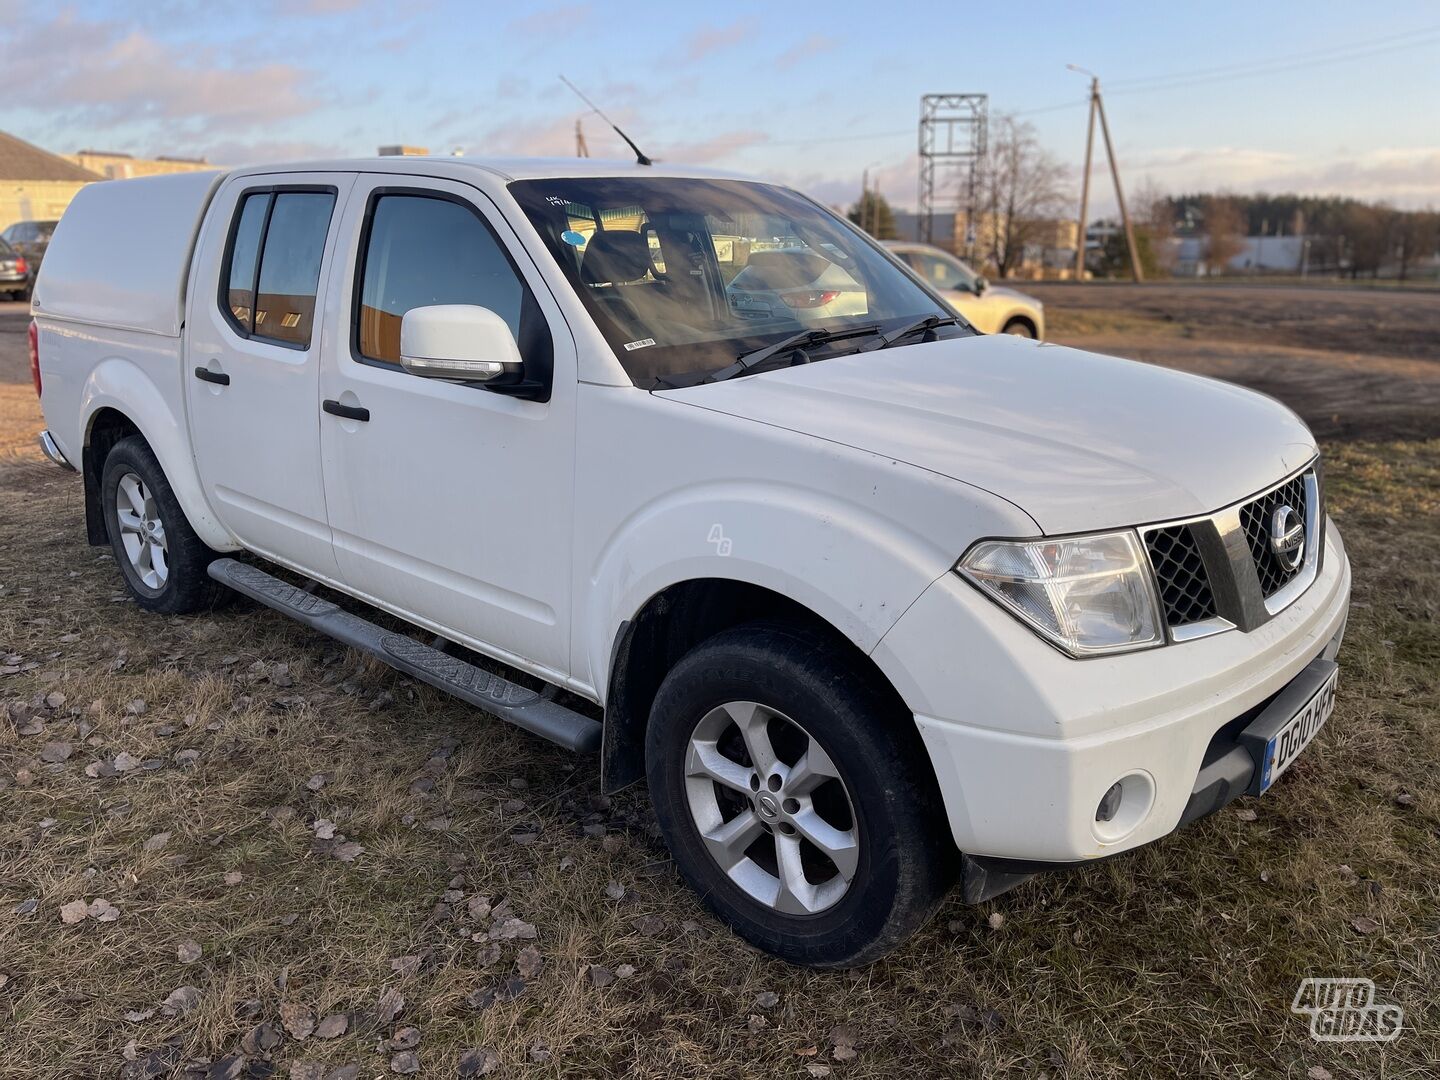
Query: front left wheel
<point x="796" y="798"/>
<point x="161" y="559"/>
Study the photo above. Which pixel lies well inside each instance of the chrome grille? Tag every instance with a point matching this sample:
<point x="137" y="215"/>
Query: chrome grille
<point x="1255" y="520"/>
<point x="1179" y="569"/>
<point x="1220" y="572"/>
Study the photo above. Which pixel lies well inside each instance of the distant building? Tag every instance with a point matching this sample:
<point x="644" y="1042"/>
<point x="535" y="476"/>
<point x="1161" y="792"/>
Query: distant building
<point x="1257" y="255"/>
<point x="1049" y="252"/>
<point x="36" y="185"/>
<point x="404" y="151"/>
<point x="113" y="165"/>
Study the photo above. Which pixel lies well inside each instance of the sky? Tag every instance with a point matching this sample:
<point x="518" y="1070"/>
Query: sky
<point x="1315" y="96"/>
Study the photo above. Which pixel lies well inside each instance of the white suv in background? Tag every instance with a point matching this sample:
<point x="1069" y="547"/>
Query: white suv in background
<point x="872" y="602"/>
<point x="991" y="309"/>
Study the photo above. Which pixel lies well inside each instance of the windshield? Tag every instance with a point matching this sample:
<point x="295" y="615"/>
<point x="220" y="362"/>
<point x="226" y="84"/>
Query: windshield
<point x="684" y="276"/>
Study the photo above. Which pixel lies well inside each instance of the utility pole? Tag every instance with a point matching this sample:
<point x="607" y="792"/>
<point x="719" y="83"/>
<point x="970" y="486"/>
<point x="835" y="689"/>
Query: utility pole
<point x="581" y="150"/>
<point x="865" y="199"/>
<point x="1085" y="184"/>
<point x="1097" y="106"/>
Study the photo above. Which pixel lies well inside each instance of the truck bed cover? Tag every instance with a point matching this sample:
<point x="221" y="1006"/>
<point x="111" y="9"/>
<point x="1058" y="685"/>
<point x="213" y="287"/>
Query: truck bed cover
<point x="121" y="253"/>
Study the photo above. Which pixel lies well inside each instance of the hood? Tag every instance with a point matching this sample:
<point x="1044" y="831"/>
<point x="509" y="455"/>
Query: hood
<point x="1077" y="440"/>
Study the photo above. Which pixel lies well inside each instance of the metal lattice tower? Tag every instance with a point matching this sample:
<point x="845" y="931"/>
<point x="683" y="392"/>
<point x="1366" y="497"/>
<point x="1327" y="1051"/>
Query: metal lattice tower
<point x="953" y="131"/>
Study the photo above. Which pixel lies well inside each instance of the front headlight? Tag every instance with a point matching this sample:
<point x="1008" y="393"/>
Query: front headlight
<point x="1086" y="594"/>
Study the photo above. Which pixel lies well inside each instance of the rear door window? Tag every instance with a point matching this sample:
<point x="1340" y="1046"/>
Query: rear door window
<point x="273" y="267"/>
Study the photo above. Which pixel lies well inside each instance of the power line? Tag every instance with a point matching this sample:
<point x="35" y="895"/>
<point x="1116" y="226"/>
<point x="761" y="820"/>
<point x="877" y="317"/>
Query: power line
<point x="909" y="133"/>
<point x="1319" y="55"/>
<point x="1277" y="65"/>
<point x="1274" y="66"/>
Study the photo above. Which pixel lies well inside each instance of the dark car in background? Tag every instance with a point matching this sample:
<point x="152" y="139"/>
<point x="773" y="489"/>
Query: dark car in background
<point x="16" y="273"/>
<point x="29" y="239"/>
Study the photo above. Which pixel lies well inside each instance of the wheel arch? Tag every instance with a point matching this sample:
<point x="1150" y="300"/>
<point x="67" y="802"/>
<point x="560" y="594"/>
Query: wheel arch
<point x="1024" y="318"/>
<point x="671" y="623"/>
<point x="119" y="399"/>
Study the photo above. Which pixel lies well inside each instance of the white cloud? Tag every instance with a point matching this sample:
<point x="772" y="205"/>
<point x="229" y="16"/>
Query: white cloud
<point x="1408" y="176"/>
<point x="714" y="38"/>
<point x="106" y="72"/>
<point x="814" y="45"/>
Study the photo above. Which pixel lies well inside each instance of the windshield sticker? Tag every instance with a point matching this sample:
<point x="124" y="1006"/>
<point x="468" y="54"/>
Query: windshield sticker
<point x="573" y="238"/>
<point x="643" y="343"/>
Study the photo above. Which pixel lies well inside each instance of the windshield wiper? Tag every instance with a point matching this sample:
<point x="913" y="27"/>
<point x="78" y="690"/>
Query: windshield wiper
<point x="930" y="322"/>
<point x="798" y="343"/>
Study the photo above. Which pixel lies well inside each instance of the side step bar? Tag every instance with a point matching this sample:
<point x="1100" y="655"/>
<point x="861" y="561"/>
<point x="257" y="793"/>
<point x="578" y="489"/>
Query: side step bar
<point x="483" y="689"/>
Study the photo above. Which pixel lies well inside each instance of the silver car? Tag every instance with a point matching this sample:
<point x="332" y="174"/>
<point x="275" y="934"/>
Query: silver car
<point x="991" y="309"/>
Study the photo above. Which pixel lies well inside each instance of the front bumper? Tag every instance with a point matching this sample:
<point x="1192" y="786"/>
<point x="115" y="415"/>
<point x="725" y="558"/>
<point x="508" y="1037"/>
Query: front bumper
<point x="1024" y="742"/>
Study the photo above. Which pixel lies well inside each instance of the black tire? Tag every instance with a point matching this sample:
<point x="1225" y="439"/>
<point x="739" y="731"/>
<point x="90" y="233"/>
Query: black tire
<point x="906" y="860"/>
<point x="186" y="586"/>
<point x="1019" y="328"/>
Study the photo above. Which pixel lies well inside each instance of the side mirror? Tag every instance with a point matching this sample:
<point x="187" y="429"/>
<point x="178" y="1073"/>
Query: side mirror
<point x="465" y="342"/>
<point x="981" y="285"/>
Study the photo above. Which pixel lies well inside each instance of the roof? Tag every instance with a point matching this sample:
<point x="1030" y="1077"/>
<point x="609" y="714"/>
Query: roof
<point x="21" y="161"/>
<point x="505" y="168"/>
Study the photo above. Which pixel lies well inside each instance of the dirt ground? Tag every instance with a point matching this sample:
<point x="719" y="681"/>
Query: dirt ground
<point x="1355" y="363"/>
<point x="283" y="860"/>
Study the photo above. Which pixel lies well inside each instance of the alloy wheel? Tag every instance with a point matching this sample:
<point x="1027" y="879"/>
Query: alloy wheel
<point x="142" y="533"/>
<point x="771" y="808"/>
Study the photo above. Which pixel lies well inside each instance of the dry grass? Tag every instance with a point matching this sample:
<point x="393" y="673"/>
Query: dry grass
<point x="1180" y="960"/>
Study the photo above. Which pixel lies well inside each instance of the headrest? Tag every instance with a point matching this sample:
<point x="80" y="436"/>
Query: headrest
<point x="615" y="257"/>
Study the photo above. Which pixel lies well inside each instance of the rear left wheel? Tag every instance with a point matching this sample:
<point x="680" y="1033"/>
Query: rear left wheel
<point x="796" y="798"/>
<point x="161" y="559"/>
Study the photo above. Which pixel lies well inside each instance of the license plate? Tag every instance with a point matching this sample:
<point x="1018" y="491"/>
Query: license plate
<point x="1285" y="746"/>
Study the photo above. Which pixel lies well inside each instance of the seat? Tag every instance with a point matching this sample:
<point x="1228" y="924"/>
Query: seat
<point x="615" y="258"/>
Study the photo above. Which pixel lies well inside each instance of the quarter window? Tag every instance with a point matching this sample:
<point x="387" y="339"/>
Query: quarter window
<point x="245" y="258"/>
<point x="423" y="250"/>
<point x="273" y="268"/>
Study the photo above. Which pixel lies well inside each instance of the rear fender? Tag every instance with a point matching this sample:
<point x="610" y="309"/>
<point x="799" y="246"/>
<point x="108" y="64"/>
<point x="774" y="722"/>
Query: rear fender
<point x="120" y="384"/>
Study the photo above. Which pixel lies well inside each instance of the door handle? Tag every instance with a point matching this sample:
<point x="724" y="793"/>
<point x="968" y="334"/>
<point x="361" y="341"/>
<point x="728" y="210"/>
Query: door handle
<point x="349" y="412"/>
<point x="219" y="378"/>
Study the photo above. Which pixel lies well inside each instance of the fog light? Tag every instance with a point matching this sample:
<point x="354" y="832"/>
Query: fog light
<point x="1109" y="803"/>
<point x="1125" y="804"/>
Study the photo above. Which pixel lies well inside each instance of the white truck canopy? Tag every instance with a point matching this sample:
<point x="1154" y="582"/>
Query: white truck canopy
<point x="121" y="253"/>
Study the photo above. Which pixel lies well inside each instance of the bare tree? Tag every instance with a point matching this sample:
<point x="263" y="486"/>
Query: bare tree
<point x="1224" y="230"/>
<point x="1021" y="189"/>
<point x="1367" y="236"/>
<point x="1417" y="235"/>
<point x="1154" y="229"/>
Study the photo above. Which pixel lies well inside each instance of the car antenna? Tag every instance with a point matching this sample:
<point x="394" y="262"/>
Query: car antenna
<point x="640" y="158"/>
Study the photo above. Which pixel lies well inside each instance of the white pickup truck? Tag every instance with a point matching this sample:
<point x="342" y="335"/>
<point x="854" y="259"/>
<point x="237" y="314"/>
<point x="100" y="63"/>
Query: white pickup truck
<point x="875" y="603"/>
